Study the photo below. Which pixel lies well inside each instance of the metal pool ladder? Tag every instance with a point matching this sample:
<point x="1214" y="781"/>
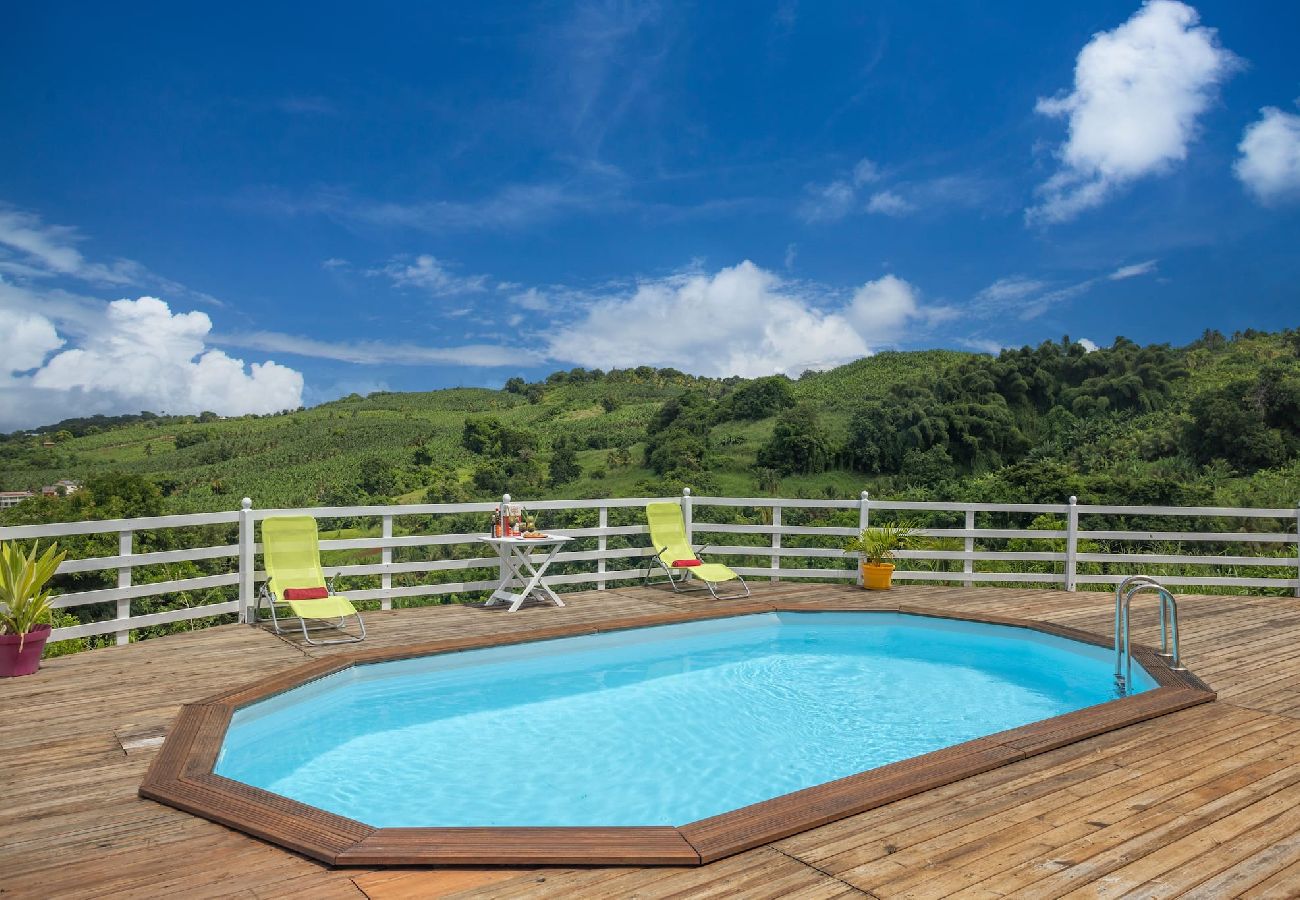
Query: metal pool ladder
<point x="1128" y="588"/>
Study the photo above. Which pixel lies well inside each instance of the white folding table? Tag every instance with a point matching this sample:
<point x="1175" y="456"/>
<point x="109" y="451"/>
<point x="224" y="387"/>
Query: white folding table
<point x="515" y="554"/>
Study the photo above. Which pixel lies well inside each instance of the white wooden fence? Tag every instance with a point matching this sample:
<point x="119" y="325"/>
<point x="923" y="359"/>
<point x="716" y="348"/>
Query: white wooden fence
<point x="1067" y="556"/>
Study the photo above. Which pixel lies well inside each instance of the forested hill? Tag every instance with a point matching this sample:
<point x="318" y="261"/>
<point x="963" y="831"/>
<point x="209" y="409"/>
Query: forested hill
<point x="1216" y="421"/>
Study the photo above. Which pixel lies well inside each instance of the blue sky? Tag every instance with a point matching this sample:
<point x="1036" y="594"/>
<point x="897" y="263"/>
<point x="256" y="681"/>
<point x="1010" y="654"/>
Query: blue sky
<point x="408" y="196"/>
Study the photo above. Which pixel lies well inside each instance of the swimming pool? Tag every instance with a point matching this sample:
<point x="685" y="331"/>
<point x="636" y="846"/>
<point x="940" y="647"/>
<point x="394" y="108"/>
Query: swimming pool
<point x="657" y="726"/>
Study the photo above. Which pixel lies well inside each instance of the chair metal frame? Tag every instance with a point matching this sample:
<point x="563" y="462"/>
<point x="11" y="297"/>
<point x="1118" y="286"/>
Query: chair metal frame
<point x="677" y="583"/>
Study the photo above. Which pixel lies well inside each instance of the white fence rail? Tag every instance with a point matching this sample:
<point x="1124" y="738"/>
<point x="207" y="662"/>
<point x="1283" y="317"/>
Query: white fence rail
<point x="764" y="539"/>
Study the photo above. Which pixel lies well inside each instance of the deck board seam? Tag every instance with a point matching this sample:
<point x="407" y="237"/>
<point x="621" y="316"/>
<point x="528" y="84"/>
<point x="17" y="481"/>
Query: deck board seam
<point x="820" y="871"/>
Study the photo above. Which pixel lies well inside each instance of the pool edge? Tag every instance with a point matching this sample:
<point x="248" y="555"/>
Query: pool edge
<point x="182" y="774"/>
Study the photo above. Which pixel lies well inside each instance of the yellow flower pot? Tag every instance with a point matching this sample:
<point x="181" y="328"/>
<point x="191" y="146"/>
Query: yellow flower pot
<point x="876" y="576"/>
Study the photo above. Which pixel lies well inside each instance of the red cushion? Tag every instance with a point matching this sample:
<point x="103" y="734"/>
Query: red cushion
<point x="305" y="593"/>
<point x="686" y="563"/>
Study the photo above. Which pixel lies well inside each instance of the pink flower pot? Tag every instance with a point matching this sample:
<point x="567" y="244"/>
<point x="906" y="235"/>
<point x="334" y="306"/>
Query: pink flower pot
<point x="28" y="661"/>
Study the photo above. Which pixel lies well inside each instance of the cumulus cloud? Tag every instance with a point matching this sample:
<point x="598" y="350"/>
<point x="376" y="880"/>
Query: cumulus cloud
<point x="881" y="309"/>
<point x="25" y="340"/>
<point x="141" y="356"/>
<point x="1138" y="92"/>
<point x="428" y="273"/>
<point x="742" y="320"/>
<point x="1269" y="165"/>
<point x="1088" y="345"/>
<point x="65" y="354"/>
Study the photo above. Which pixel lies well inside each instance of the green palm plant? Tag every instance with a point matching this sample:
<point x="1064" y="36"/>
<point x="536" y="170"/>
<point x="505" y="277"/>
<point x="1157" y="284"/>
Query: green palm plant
<point x="878" y="543"/>
<point x="24" y="602"/>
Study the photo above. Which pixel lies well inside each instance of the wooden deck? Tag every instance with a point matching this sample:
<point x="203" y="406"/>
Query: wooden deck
<point x="1204" y="802"/>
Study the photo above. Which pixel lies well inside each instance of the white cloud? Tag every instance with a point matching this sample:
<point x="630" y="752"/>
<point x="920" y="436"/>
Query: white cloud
<point x="380" y="352"/>
<point x="1008" y="292"/>
<point x="142" y="356"/>
<point x="829" y="202"/>
<point x="26" y="338"/>
<point x="741" y="320"/>
<point x="1088" y="345"/>
<point x="31" y="248"/>
<point x="1133" y="271"/>
<point x="427" y="273"/>
<point x="889" y="203"/>
<point x="512" y="206"/>
<point x="833" y="201"/>
<point x="881" y="309"/>
<point x="982" y="345"/>
<point x="1138" y="92"/>
<point x="1269" y="165"/>
<point x="531" y="299"/>
<point x="1029" y="298"/>
<point x="865" y="172"/>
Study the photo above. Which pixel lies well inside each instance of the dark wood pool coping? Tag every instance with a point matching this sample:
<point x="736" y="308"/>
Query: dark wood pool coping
<point x="182" y="773"/>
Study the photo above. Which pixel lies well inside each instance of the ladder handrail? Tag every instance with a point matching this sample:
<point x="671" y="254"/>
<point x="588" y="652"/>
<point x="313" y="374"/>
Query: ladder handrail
<point x="1168" y="611"/>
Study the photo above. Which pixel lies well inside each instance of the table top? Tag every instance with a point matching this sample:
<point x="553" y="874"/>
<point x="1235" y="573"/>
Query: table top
<point x="551" y="538"/>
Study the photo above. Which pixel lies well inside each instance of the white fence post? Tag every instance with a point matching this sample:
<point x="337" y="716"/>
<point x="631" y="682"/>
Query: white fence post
<point x="386" y="557"/>
<point x="1072" y="545"/>
<point x="247" y="562"/>
<point x="124" y="541"/>
<point x="864" y="520"/>
<point x="776" y="539"/>
<point x="968" y="564"/>
<point x="502" y="552"/>
<point x="602" y="544"/>
<point x="687" y="517"/>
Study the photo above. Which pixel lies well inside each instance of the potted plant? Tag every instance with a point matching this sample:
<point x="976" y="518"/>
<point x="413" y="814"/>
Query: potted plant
<point x="25" y="606"/>
<point x="876" y="546"/>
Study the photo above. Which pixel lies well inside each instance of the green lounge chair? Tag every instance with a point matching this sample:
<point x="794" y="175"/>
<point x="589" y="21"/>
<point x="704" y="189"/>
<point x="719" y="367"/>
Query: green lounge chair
<point x="674" y="555"/>
<point x="291" y="547"/>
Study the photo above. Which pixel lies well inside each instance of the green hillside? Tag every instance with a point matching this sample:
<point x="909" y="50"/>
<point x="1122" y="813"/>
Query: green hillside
<point x="1030" y="424"/>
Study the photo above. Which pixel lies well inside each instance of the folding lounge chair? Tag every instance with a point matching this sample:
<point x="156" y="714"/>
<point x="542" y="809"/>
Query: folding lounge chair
<point x="291" y="546"/>
<point x="674" y="555"/>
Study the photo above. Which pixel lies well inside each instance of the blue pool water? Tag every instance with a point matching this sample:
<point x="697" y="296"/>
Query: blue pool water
<point x="657" y="726"/>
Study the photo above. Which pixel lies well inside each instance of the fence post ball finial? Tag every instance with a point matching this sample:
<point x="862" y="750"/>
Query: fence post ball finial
<point x="865" y="494"/>
<point x="686" y="492"/>
<point x="505" y="498"/>
<point x="246" y="503"/>
<point x="1074" y="501"/>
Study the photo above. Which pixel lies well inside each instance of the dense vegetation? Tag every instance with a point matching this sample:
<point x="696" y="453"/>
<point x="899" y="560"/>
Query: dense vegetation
<point x="1215" y="422"/>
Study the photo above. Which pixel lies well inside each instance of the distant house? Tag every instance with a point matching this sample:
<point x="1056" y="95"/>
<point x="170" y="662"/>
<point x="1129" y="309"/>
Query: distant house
<point x="61" y="488"/>
<point x="13" y="498"/>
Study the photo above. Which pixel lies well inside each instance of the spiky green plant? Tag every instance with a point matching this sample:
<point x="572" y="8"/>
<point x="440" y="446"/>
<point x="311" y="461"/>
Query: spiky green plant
<point x="24" y="602"/>
<point x="878" y="543"/>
